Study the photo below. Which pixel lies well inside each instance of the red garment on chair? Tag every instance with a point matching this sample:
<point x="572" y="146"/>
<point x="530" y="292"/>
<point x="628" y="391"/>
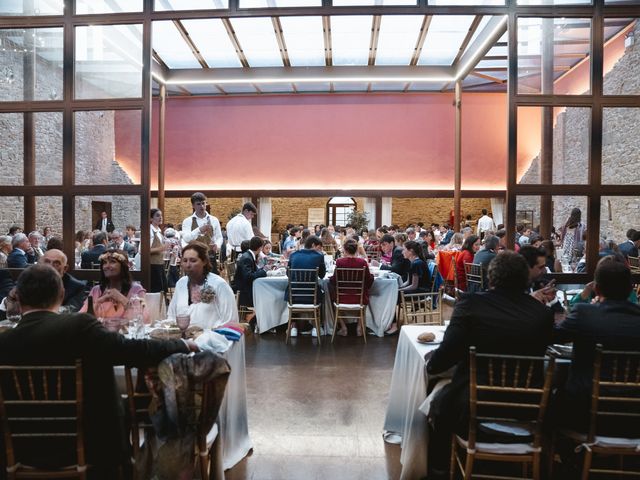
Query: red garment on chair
<point x="444" y="264"/>
<point x="465" y="256"/>
<point x="352" y="262"/>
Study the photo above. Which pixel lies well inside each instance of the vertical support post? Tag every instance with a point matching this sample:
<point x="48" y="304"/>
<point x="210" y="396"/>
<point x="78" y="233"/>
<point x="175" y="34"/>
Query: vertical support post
<point x="254" y="220"/>
<point x="512" y="157"/>
<point x="546" y="150"/>
<point x="68" y="127"/>
<point x="378" y="212"/>
<point x="145" y="234"/>
<point x="457" y="188"/>
<point x="161" y="133"/>
<point x="28" y="138"/>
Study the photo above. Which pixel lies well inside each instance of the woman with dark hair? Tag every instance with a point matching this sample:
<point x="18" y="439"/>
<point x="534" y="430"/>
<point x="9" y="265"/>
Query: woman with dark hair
<point x="349" y="259"/>
<point x="469" y="248"/>
<point x="201" y="294"/>
<point x="156" y="253"/>
<point x="553" y="264"/>
<point x="571" y="234"/>
<point x="112" y="295"/>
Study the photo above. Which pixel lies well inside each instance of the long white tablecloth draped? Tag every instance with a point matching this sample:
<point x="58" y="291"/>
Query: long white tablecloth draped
<point x="271" y="307"/>
<point x="408" y="391"/>
<point x="232" y="417"/>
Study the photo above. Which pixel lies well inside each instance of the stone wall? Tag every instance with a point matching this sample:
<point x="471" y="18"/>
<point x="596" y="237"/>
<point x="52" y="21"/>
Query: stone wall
<point x="620" y="153"/>
<point x="434" y="210"/>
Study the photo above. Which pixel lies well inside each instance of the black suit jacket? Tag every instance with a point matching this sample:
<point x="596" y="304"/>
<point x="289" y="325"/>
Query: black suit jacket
<point x="6" y="283"/>
<point x="74" y="292"/>
<point x="110" y="226"/>
<point x="17" y="259"/>
<point x="92" y="256"/>
<point x="246" y="272"/>
<point x="628" y="249"/>
<point x="45" y="338"/>
<point x="399" y="264"/>
<point x="493" y="322"/>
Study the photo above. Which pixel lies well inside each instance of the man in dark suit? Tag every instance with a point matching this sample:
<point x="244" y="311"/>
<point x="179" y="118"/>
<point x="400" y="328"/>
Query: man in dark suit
<point x="446" y="238"/>
<point x="630" y="247"/>
<point x="74" y="289"/>
<point x="43" y="337"/>
<point x="247" y="272"/>
<point x="93" y="255"/>
<point x="613" y="322"/>
<point x="118" y="242"/>
<point x="504" y="320"/>
<point x="104" y="224"/>
<point x="308" y="258"/>
<point x="399" y="264"/>
<point x="18" y="258"/>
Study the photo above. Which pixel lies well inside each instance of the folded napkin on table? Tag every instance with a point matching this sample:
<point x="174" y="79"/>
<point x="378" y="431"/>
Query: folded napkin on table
<point x="213" y="342"/>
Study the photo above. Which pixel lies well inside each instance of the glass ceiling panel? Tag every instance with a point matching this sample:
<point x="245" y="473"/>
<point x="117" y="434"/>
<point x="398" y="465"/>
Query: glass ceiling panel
<point x="214" y="43"/>
<point x="42" y="7"/>
<point x="444" y="38"/>
<point x="258" y="41"/>
<point x="397" y="39"/>
<point x="202" y="89"/>
<point x="427" y="86"/>
<point x="465" y="2"/>
<point x="483" y="24"/>
<point x="108" y="6"/>
<point x="313" y="87"/>
<point x="239" y="88"/>
<point x="358" y="3"/>
<point x="304" y="39"/>
<point x="171" y="47"/>
<point x="279" y="3"/>
<point x="388" y="86"/>
<point x="164" y="5"/>
<point x="350" y="86"/>
<point x="350" y="38"/>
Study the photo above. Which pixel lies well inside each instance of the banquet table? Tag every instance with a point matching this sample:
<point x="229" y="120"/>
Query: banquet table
<point x="404" y="421"/>
<point x="232" y="417"/>
<point x="271" y="307"/>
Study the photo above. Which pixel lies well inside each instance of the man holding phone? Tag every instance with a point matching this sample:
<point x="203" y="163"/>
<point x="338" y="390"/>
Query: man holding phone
<point x="544" y="292"/>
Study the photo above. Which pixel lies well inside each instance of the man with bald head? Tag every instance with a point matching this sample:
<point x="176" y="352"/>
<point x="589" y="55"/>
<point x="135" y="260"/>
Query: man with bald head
<point x="74" y="289"/>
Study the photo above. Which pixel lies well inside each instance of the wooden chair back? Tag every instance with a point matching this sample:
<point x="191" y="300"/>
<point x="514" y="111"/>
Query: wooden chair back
<point x="373" y="252"/>
<point x="422" y="308"/>
<point x="350" y="283"/>
<point x="230" y="268"/>
<point x="303" y="286"/>
<point x="615" y="392"/>
<point x="475" y="278"/>
<point x="329" y="248"/>
<point x="40" y="408"/>
<point x="634" y="264"/>
<point x="508" y="389"/>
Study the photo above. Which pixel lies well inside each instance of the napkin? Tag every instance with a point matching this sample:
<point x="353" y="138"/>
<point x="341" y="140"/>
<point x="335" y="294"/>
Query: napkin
<point x="213" y="342"/>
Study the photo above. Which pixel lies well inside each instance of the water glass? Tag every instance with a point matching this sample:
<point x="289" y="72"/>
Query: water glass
<point x="183" y="321"/>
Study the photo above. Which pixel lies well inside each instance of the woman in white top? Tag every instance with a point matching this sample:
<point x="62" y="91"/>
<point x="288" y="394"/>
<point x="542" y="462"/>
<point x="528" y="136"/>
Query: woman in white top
<point x="206" y="297"/>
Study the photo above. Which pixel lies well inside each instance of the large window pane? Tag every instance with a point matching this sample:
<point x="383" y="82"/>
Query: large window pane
<point x="164" y="5"/>
<point x="122" y="210"/>
<point x="31" y="64"/>
<point x="49" y="215"/>
<point x="48" y="135"/>
<point x="108" y="61"/>
<point x="617" y="216"/>
<point x="621" y="146"/>
<point x="107" y="147"/>
<point x="562" y="43"/>
<point x="36" y="7"/>
<point x="279" y="3"/>
<point x="11" y="148"/>
<point x="108" y="6"/>
<point x="621" y="66"/>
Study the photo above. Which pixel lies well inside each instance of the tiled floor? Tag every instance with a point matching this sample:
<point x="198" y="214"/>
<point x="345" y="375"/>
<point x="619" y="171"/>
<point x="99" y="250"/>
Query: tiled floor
<point x="317" y="412"/>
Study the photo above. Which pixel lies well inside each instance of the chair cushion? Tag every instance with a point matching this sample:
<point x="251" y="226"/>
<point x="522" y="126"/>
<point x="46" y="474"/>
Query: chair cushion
<point x="504" y="448"/>
<point x="303" y="306"/>
<point x="350" y="306"/>
<point x="604" y="441"/>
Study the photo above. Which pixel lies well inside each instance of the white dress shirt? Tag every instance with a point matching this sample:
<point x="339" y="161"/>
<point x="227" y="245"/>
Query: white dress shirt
<point x="189" y="235"/>
<point x="485" y="223"/>
<point x="239" y="229"/>
<point x="220" y="311"/>
<point x="103" y="228"/>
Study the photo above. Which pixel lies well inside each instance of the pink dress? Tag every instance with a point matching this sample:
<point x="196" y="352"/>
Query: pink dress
<point x="108" y="309"/>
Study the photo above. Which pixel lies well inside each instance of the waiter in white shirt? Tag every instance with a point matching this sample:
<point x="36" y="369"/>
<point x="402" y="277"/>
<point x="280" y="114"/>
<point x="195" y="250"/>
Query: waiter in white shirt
<point x="485" y="224"/>
<point x="239" y="228"/>
<point x="202" y="227"/>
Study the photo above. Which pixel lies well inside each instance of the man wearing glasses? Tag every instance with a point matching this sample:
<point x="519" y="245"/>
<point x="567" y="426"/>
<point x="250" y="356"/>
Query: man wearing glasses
<point x="203" y="227"/>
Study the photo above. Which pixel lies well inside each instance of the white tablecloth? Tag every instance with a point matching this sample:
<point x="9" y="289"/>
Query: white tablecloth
<point x="233" y="420"/>
<point x="271" y="306"/>
<point x="408" y="391"/>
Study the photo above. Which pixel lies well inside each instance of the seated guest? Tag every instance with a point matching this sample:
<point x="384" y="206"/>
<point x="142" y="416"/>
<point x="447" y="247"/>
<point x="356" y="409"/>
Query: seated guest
<point x="205" y="296"/>
<point x="5" y="249"/>
<point x="455" y="244"/>
<point x="92" y="255"/>
<point x="552" y="263"/>
<point x="74" y="289"/>
<point x="504" y="320"/>
<point x="469" y="248"/>
<point x="396" y="262"/>
<point x="371" y="240"/>
<point x="400" y="238"/>
<point x="445" y="233"/>
<point x="538" y="288"/>
<point x="35" y="240"/>
<point x="247" y="272"/>
<point x="328" y="240"/>
<point x="119" y="243"/>
<point x="630" y="247"/>
<point x="611" y="321"/>
<point x="111" y="296"/>
<point x="267" y="257"/>
<point x="308" y="258"/>
<point x="18" y="257"/>
<point x="483" y="257"/>
<point x="291" y="241"/>
<point x="55" y="243"/>
<point x="349" y="259"/>
<point x="43" y="337"/>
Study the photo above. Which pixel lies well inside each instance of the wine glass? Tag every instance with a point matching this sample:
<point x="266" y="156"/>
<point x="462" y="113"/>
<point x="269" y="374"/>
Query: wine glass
<point x="183" y="322"/>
